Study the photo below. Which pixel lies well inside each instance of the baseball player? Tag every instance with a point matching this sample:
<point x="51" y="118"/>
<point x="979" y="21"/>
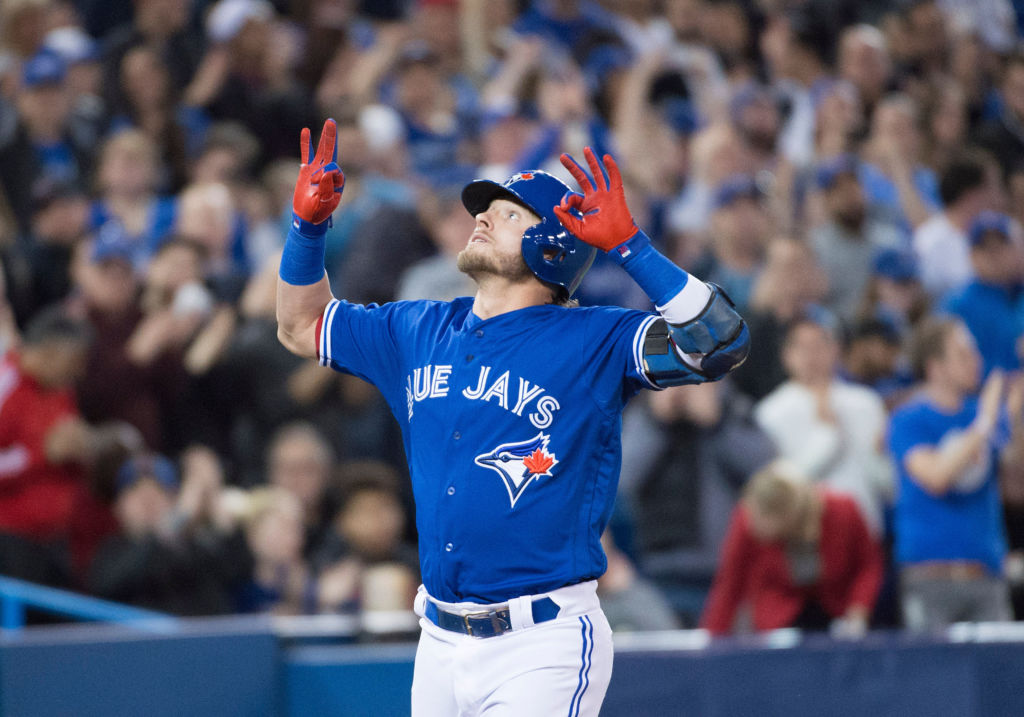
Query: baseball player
<point x="510" y="407"/>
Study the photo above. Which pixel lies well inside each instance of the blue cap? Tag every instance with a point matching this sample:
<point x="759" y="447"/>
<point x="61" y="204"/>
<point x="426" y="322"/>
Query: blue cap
<point x="896" y="264"/>
<point x="150" y="465"/>
<point x="112" y="243"/>
<point x="738" y="186"/>
<point x="829" y="171"/>
<point x="986" y="224"/>
<point x="45" y="67"/>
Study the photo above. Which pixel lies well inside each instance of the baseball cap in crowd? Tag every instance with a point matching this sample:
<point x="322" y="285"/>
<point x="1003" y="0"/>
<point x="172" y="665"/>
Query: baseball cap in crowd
<point x="988" y="224"/>
<point x="73" y="44"/>
<point x="150" y="465"/>
<point x="228" y="17"/>
<point x="45" y="67"/>
<point x="875" y="327"/>
<point x="829" y="171"/>
<point x="896" y="264"/>
<point x="112" y="243"/>
<point x="736" y="187"/>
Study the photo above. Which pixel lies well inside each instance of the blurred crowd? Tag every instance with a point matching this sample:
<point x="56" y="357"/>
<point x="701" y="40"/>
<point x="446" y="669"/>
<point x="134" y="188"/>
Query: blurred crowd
<point x="851" y="172"/>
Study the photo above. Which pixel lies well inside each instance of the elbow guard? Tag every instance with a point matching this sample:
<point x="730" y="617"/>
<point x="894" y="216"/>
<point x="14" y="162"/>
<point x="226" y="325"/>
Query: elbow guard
<point x="718" y="335"/>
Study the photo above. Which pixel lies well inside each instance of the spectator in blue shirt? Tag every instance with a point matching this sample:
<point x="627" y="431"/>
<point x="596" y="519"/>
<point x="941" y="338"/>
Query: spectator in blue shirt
<point x="990" y="304"/>
<point x="950" y="543"/>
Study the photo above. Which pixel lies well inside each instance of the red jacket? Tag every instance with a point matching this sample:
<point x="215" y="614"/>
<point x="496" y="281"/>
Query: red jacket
<point x="757" y="573"/>
<point x="36" y="497"/>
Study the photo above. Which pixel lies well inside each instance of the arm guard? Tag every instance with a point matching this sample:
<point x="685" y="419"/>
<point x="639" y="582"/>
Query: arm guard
<point x="718" y="335"/>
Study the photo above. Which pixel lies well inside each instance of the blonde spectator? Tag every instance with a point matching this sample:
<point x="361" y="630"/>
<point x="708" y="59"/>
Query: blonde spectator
<point x="796" y="555"/>
<point x="281" y="581"/>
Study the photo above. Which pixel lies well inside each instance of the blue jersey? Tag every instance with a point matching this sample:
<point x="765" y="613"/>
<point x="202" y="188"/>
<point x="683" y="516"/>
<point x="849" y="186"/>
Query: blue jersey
<point x="964" y="524"/>
<point x="993" y="318"/>
<point x="511" y="428"/>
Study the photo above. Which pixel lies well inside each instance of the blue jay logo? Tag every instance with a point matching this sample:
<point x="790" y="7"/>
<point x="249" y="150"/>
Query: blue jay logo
<point x="519" y="464"/>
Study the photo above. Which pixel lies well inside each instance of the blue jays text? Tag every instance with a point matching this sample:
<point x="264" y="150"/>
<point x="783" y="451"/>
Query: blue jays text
<point x="434" y="382"/>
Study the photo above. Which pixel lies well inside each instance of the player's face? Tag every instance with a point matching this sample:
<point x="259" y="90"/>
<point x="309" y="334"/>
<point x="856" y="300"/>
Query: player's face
<point x="495" y="246"/>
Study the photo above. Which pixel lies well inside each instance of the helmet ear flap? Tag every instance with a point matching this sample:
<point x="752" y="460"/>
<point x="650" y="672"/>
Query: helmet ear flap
<point x="555" y="256"/>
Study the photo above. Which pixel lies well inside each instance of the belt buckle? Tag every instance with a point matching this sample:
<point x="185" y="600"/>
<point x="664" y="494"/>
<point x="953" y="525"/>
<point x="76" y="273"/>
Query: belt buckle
<point x="498" y="625"/>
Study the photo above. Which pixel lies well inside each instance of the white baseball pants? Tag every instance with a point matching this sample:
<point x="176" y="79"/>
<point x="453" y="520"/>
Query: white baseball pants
<point x="559" y="668"/>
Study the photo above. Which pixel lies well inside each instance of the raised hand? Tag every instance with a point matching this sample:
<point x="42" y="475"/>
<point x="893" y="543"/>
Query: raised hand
<point x="599" y="216"/>
<point x="320" y="183"/>
<point x="1015" y="398"/>
<point x="989" y="402"/>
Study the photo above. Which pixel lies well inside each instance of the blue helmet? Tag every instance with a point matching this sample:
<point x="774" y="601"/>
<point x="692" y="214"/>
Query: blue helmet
<point x="553" y="254"/>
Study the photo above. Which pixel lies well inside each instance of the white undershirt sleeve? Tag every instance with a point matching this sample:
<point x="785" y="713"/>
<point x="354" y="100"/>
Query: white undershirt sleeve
<point x="685" y="306"/>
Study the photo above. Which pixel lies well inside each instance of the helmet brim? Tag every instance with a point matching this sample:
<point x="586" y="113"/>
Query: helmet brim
<point x="478" y="195"/>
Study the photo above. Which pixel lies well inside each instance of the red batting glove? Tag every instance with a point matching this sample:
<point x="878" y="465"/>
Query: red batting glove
<point x="599" y="216"/>
<point x="318" y="189"/>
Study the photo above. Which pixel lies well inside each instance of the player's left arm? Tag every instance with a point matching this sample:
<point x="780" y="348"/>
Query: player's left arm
<point x="701" y="336"/>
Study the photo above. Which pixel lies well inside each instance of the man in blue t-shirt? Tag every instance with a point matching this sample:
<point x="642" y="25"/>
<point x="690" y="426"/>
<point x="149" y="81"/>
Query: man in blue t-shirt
<point x="950" y="543"/>
<point x="510" y="404"/>
<point x="990" y="304"/>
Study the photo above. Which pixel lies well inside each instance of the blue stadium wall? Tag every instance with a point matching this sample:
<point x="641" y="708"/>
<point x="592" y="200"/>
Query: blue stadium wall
<point x="223" y="669"/>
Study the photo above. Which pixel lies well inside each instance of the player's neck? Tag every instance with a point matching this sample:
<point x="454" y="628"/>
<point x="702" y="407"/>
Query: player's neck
<point x="495" y="296"/>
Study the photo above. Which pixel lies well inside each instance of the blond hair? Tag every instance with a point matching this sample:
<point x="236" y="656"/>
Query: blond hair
<point x="777" y="489"/>
<point x="260" y="502"/>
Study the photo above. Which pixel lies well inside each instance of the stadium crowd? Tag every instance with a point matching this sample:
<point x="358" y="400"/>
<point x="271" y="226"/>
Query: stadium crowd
<point x="850" y="171"/>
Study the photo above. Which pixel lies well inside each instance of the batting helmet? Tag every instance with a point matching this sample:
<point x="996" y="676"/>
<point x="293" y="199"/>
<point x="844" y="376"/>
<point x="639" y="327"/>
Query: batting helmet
<point x="553" y="254"/>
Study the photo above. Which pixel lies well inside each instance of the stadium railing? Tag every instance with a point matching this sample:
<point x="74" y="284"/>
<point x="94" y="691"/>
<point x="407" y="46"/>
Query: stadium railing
<point x="16" y="596"/>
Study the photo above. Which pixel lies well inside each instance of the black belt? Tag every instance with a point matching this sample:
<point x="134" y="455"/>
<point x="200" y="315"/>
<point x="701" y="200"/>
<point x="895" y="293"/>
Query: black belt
<point x="487" y="623"/>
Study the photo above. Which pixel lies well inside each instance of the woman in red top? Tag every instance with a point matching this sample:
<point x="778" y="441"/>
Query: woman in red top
<point x="796" y="555"/>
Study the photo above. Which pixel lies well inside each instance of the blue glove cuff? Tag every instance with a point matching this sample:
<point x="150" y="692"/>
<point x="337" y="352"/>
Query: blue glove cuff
<point x="302" y="262"/>
<point x="309" y="229"/>
<point x="660" y="279"/>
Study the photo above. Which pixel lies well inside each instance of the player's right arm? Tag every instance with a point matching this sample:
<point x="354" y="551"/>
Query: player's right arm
<point x="303" y="291"/>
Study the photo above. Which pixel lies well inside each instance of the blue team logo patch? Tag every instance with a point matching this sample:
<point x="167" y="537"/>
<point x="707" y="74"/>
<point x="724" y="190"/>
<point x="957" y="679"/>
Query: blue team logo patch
<point x="519" y="464"/>
<point x="519" y="177"/>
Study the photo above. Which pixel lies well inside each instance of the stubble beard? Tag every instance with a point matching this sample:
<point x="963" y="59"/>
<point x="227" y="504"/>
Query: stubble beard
<point x="478" y="264"/>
